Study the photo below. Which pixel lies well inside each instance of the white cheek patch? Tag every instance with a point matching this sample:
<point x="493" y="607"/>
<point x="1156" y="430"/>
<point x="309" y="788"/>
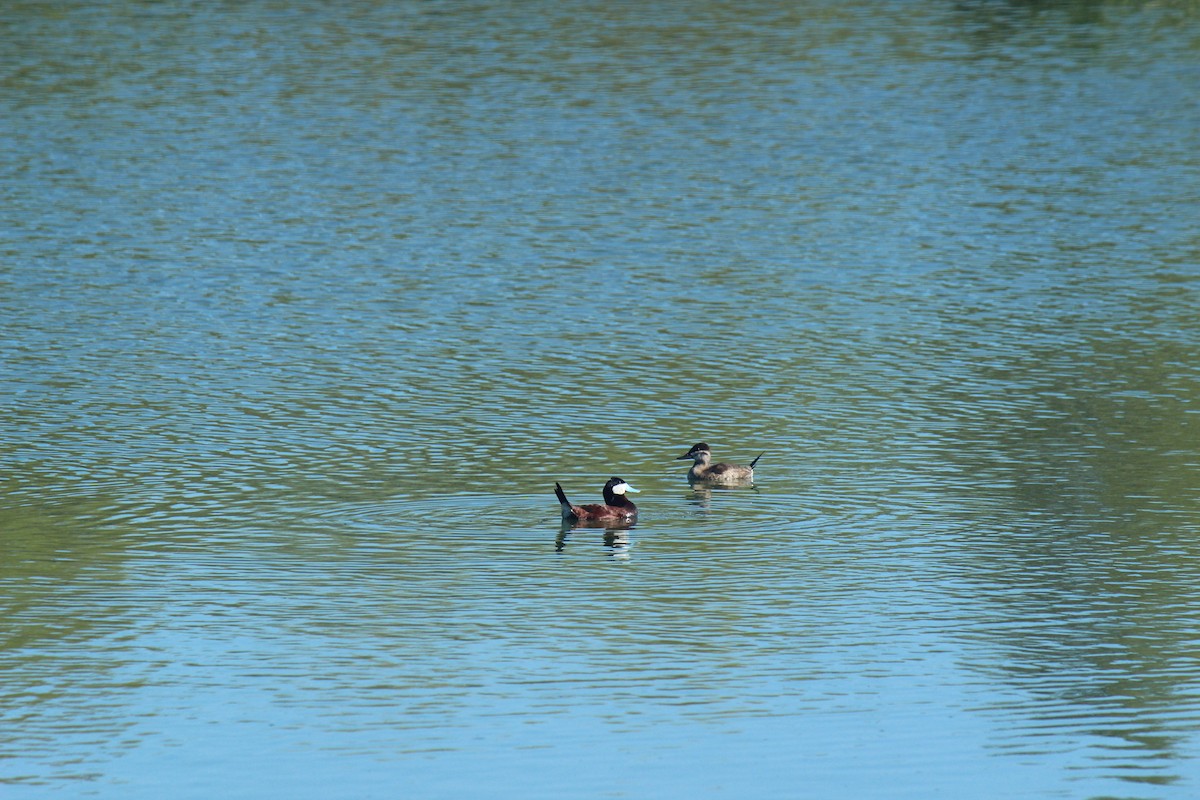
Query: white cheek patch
<point x="622" y="488"/>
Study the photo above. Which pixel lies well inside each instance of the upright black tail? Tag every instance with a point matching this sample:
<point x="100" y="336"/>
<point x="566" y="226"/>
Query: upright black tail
<point x="562" y="499"/>
<point x="756" y="458"/>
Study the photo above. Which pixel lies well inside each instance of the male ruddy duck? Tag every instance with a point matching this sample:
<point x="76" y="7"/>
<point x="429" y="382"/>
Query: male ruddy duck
<point x="702" y="470"/>
<point x="617" y="507"/>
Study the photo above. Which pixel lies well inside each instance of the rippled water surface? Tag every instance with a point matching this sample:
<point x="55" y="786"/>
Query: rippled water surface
<point x="305" y="307"/>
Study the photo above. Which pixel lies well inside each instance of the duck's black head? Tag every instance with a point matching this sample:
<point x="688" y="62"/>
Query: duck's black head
<point x="697" y="449"/>
<point x="614" y="491"/>
<point x="618" y="486"/>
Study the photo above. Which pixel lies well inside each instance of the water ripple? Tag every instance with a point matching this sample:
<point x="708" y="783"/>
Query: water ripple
<point x="305" y="313"/>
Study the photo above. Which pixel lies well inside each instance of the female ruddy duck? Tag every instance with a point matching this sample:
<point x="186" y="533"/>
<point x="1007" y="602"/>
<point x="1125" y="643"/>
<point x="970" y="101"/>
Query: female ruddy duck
<point x="702" y="470"/>
<point x="617" y="507"/>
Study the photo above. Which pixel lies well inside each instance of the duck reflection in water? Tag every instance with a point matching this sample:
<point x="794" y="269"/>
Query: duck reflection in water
<point x="616" y="537"/>
<point x="700" y="493"/>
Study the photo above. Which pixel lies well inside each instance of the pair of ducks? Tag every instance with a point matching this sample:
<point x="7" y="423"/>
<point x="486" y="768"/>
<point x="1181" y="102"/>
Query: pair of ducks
<point x="619" y="508"/>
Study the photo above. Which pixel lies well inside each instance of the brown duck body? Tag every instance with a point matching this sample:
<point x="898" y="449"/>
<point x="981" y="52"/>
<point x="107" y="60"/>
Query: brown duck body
<point x="703" y="470"/>
<point x="617" y="507"/>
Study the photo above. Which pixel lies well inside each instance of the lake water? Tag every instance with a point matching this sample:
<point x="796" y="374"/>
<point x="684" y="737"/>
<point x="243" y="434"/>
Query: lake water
<point x="304" y="308"/>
